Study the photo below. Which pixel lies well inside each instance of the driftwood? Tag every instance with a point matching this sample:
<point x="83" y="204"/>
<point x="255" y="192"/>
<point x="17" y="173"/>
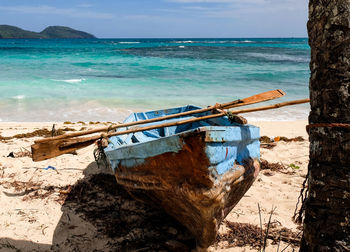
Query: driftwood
<point x="266" y="96"/>
<point x="54" y="148"/>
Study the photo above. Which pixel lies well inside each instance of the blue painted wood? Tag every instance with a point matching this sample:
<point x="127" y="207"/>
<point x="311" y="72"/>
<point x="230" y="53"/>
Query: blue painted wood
<point x="226" y="143"/>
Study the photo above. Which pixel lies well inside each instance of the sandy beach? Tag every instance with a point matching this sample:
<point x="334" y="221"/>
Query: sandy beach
<point x="69" y="204"/>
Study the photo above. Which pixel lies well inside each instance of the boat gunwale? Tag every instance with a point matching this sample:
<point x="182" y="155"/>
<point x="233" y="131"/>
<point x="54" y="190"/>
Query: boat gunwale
<point x="183" y="134"/>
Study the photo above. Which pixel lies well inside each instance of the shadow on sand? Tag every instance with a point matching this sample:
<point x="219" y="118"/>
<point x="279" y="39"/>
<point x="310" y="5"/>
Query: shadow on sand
<point x="99" y="215"/>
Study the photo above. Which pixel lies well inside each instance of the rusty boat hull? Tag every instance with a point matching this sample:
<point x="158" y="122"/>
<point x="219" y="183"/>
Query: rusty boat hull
<point x="197" y="172"/>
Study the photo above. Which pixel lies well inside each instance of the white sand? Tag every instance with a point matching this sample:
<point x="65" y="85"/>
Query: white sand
<point x="28" y="224"/>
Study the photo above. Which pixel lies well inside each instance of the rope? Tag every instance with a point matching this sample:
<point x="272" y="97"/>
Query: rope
<point x="234" y="118"/>
<point x="304" y="193"/>
<point x="110" y="127"/>
<point x="99" y="154"/>
<point x="327" y="125"/>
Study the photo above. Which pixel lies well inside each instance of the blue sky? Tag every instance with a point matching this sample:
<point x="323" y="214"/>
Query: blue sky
<point x="162" y="18"/>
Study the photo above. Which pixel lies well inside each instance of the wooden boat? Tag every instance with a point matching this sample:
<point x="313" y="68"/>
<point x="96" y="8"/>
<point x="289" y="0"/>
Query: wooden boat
<point x="197" y="172"/>
<point x="192" y="162"/>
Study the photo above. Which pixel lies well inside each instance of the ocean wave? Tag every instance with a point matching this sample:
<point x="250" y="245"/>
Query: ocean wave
<point x="129" y="42"/>
<point x="185" y="42"/>
<point x="72" y="81"/>
<point x="181" y="46"/>
<point x="18" y="97"/>
<point x="278" y="57"/>
<point x="218" y="41"/>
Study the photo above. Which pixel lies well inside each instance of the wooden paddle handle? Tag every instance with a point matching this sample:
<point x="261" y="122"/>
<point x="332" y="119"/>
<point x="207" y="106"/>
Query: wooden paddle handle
<point x="57" y="147"/>
<point x="235" y="112"/>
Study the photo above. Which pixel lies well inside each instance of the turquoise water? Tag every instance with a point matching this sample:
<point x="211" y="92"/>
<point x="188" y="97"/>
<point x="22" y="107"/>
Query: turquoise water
<point x="106" y="79"/>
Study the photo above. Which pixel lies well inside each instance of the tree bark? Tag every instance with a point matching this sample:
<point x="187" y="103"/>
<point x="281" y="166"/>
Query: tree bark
<point x="327" y="208"/>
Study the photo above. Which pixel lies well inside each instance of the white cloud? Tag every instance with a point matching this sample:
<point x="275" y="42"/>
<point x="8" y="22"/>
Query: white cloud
<point x="201" y="1"/>
<point x="235" y="8"/>
<point x="220" y="1"/>
<point x="50" y="10"/>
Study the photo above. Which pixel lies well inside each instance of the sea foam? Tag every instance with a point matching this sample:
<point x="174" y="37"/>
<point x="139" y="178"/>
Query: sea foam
<point x="129" y="42"/>
<point x="72" y="80"/>
<point x="19" y="97"/>
<point x="279" y="57"/>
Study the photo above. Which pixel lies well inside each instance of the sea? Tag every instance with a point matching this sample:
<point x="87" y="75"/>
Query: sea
<point x="107" y="79"/>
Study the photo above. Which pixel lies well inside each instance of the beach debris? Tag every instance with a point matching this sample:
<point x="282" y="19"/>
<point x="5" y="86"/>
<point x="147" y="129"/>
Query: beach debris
<point x="11" y="154"/>
<point x="43" y="226"/>
<point x="268" y="145"/>
<point x="38" y="133"/>
<point x="99" y="154"/>
<point x="245" y="234"/>
<point x="265" y="165"/>
<point x="53" y="130"/>
<point x="49" y="167"/>
<point x="22" y="153"/>
<point x="266" y="139"/>
<point x="31" y="190"/>
<point x="2" y="171"/>
<point x="294" y="166"/>
<point x="25" y="187"/>
<point x="236" y="118"/>
<point x="271" y="142"/>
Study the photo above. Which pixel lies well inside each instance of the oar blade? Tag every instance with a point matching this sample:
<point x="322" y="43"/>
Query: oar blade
<point x="46" y="150"/>
<point x="262" y="97"/>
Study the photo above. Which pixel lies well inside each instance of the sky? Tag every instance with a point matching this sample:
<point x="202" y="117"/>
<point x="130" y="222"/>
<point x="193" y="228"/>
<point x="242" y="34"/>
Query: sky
<point x="162" y="18"/>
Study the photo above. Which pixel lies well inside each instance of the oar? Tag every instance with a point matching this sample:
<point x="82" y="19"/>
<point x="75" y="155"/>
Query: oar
<point x="54" y="148"/>
<point x="266" y="96"/>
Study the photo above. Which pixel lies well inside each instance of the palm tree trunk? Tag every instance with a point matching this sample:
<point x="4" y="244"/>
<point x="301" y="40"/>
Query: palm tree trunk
<point x="327" y="208"/>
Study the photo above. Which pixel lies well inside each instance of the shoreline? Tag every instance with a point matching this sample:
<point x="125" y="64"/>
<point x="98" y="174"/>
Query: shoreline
<point x="92" y="111"/>
<point x="271" y="128"/>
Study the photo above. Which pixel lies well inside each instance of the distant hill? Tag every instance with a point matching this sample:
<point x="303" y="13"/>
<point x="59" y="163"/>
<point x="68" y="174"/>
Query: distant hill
<point x="64" y="32"/>
<point x="51" y="32"/>
<point x="8" y="31"/>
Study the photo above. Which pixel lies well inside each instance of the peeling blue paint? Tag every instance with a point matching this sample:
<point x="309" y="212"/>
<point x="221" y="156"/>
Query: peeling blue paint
<point x="225" y="143"/>
<point x="140" y="151"/>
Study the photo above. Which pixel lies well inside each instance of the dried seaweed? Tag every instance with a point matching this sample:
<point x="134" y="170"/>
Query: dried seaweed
<point x="30" y="190"/>
<point x="266" y="139"/>
<point x="265" y="165"/>
<point x="37" y="133"/>
<point x="244" y="234"/>
<point x="22" y="153"/>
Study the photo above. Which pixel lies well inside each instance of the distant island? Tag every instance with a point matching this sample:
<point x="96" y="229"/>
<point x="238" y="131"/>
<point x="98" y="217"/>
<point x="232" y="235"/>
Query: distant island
<point x="51" y="32"/>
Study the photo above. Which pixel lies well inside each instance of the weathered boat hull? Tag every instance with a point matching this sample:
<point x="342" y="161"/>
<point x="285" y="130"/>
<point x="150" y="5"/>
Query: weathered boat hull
<point x="197" y="175"/>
